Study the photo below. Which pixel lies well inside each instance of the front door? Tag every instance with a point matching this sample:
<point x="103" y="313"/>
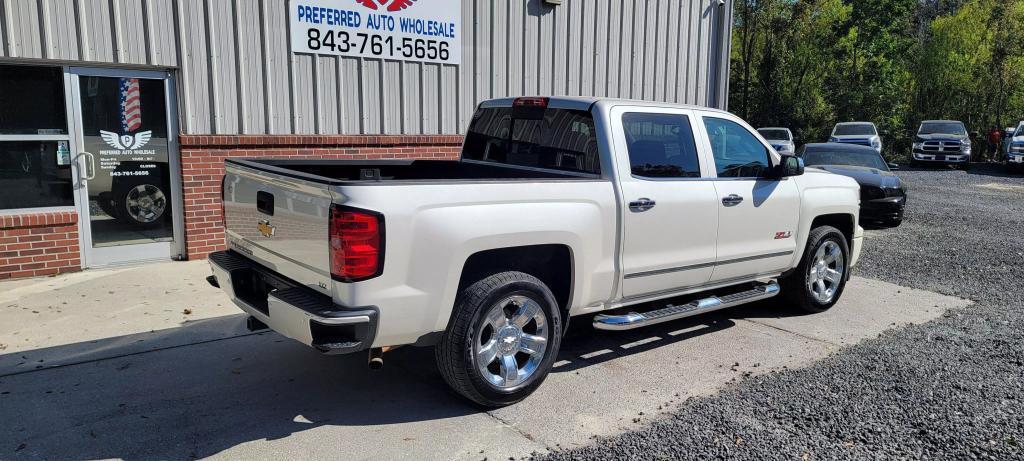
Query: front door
<point x="757" y="215"/>
<point x="671" y="218"/>
<point x="126" y="159"/>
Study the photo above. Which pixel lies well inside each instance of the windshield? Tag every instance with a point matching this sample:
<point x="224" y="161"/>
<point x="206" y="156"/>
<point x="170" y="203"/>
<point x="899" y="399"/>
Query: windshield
<point x="956" y="128"/>
<point x="1020" y="131"/>
<point x="774" y="134"/>
<point x="865" y="158"/>
<point x="845" y="129"/>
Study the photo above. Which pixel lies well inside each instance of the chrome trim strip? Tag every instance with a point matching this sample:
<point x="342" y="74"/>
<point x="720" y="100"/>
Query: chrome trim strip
<point x="703" y="265"/>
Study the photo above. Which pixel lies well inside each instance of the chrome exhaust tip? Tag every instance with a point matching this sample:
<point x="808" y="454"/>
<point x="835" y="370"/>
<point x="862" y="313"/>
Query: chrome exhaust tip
<point x="376" y="359"/>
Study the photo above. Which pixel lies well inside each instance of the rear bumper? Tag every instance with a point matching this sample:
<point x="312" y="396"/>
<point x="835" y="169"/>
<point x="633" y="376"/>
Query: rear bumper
<point x="293" y="310"/>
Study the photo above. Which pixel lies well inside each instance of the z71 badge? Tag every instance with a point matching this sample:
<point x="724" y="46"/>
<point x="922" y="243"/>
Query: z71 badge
<point x="783" y="235"/>
<point x="265" y="228"/>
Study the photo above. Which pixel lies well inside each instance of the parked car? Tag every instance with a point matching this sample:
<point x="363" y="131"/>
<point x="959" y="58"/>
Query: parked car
<point x="558" y="207"/>
<point x="942" y="142"/>
<point x="883" y="197"/>
<point x="860" y="133"/>
<point x="781" y="139"/>
<point x="1015" y="148"/>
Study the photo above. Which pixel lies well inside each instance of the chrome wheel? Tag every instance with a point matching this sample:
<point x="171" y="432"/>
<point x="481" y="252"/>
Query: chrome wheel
<point x="825" y="274"/>
<point x="511" y="341"/>
<point x="145" y="203"/>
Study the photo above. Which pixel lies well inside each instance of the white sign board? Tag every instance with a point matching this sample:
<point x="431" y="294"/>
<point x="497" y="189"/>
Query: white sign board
<point x="407" y="30"/>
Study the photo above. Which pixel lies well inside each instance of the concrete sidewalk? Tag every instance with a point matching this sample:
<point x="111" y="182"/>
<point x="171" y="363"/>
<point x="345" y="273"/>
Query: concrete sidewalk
<point x="120" y="371"/>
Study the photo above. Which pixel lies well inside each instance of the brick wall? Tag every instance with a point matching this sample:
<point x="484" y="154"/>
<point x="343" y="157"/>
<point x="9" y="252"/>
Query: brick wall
<point x="37" y="244"/>
<point x="202" y="164"/>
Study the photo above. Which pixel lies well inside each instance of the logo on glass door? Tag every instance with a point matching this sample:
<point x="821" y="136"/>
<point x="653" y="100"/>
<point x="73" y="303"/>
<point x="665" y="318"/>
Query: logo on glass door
<point x="126" y="141"/>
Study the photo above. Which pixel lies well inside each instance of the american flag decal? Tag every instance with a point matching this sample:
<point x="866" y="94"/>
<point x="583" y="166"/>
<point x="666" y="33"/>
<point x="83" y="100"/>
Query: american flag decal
<point x="131" y="105"/>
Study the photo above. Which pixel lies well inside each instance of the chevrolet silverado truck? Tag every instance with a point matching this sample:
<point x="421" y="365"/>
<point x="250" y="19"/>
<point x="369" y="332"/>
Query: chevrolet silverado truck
<point x="625" y="213"/>
<point x="942" y="142"/>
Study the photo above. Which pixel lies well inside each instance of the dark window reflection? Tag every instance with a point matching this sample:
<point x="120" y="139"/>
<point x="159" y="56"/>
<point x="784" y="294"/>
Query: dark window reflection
<point x="32" y="100"/>
<point x="30" y="176"/>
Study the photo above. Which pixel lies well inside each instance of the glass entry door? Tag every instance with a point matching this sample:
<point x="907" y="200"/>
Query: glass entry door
<point x="127" y="157"/>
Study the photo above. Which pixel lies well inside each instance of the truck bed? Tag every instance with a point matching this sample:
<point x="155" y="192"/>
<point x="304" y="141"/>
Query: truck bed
<point x="353" y="172"/>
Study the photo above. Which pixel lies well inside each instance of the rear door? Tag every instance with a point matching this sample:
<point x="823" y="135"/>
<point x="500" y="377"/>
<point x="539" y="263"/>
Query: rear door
<point x="671" y="217"/>
<point x="757" y="215"/>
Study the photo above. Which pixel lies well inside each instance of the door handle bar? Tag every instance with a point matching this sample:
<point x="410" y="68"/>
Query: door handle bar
<point x="90" y="165"/>
<point x="641" y="205"/>
<point x="731" y="200"/>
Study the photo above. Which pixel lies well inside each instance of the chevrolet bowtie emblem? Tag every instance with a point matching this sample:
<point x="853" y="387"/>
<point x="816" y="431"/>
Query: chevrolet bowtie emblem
<point x="265" y="228"/>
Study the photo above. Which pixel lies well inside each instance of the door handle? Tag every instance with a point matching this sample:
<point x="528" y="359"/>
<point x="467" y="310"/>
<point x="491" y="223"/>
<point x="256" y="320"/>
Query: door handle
<point x="731" y="200"/>
<point x="90" y="166"/>
<point x="641" y="204"/>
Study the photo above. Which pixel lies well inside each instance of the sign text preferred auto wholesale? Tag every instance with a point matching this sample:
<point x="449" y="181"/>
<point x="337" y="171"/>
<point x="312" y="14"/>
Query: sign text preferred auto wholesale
<point x="408" y="30"/>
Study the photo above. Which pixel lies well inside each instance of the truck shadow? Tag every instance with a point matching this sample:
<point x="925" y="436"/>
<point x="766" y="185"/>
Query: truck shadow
<point x="191" y="397"/>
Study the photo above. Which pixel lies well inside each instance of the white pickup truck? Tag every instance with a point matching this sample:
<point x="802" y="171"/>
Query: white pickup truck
<point x="637" y="212"/>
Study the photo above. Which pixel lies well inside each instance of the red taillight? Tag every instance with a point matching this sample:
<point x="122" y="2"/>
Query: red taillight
<point x="530" y="102"/>
<point x="357" y="244"/>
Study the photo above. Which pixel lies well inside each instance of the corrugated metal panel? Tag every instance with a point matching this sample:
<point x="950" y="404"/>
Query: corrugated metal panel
<point x="237" y="75"/>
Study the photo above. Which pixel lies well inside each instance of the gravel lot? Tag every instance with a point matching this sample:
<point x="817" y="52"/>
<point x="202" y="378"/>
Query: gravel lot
<point x="948" y="389"/>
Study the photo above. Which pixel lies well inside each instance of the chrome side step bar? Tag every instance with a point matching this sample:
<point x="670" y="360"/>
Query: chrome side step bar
<point x="671" y="312"/>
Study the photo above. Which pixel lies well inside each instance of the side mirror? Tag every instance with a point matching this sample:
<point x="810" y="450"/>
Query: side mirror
<point x="790" y="165"/>
<point x="893" y="166"/>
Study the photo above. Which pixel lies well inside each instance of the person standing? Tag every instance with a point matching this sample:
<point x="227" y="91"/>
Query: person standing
<point x="995" y="137"/>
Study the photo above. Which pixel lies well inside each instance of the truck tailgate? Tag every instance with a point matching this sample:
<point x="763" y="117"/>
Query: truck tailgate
<point x="279" y="222"/>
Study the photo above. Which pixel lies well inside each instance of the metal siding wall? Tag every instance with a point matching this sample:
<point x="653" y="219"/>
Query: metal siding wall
<point x="237" y="75"/>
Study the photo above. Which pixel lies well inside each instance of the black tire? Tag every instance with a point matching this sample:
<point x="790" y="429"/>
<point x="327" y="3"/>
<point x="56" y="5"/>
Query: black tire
<point x="455" y="355"/>
<point x="795" y="286"/>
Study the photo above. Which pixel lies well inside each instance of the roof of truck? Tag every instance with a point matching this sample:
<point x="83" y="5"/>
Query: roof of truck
<point x="942" y="121"/>
<point x="584" y="102"/>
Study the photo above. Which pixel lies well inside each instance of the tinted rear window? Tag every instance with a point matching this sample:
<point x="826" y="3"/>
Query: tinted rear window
<point x="860" y="157"/>
<point x="560" y="139"/>
<point x="854" y="129"/>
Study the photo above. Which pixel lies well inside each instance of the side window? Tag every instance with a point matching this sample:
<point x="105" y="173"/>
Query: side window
<point x="661" y="145"/>
<point x="737" y="152"/>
